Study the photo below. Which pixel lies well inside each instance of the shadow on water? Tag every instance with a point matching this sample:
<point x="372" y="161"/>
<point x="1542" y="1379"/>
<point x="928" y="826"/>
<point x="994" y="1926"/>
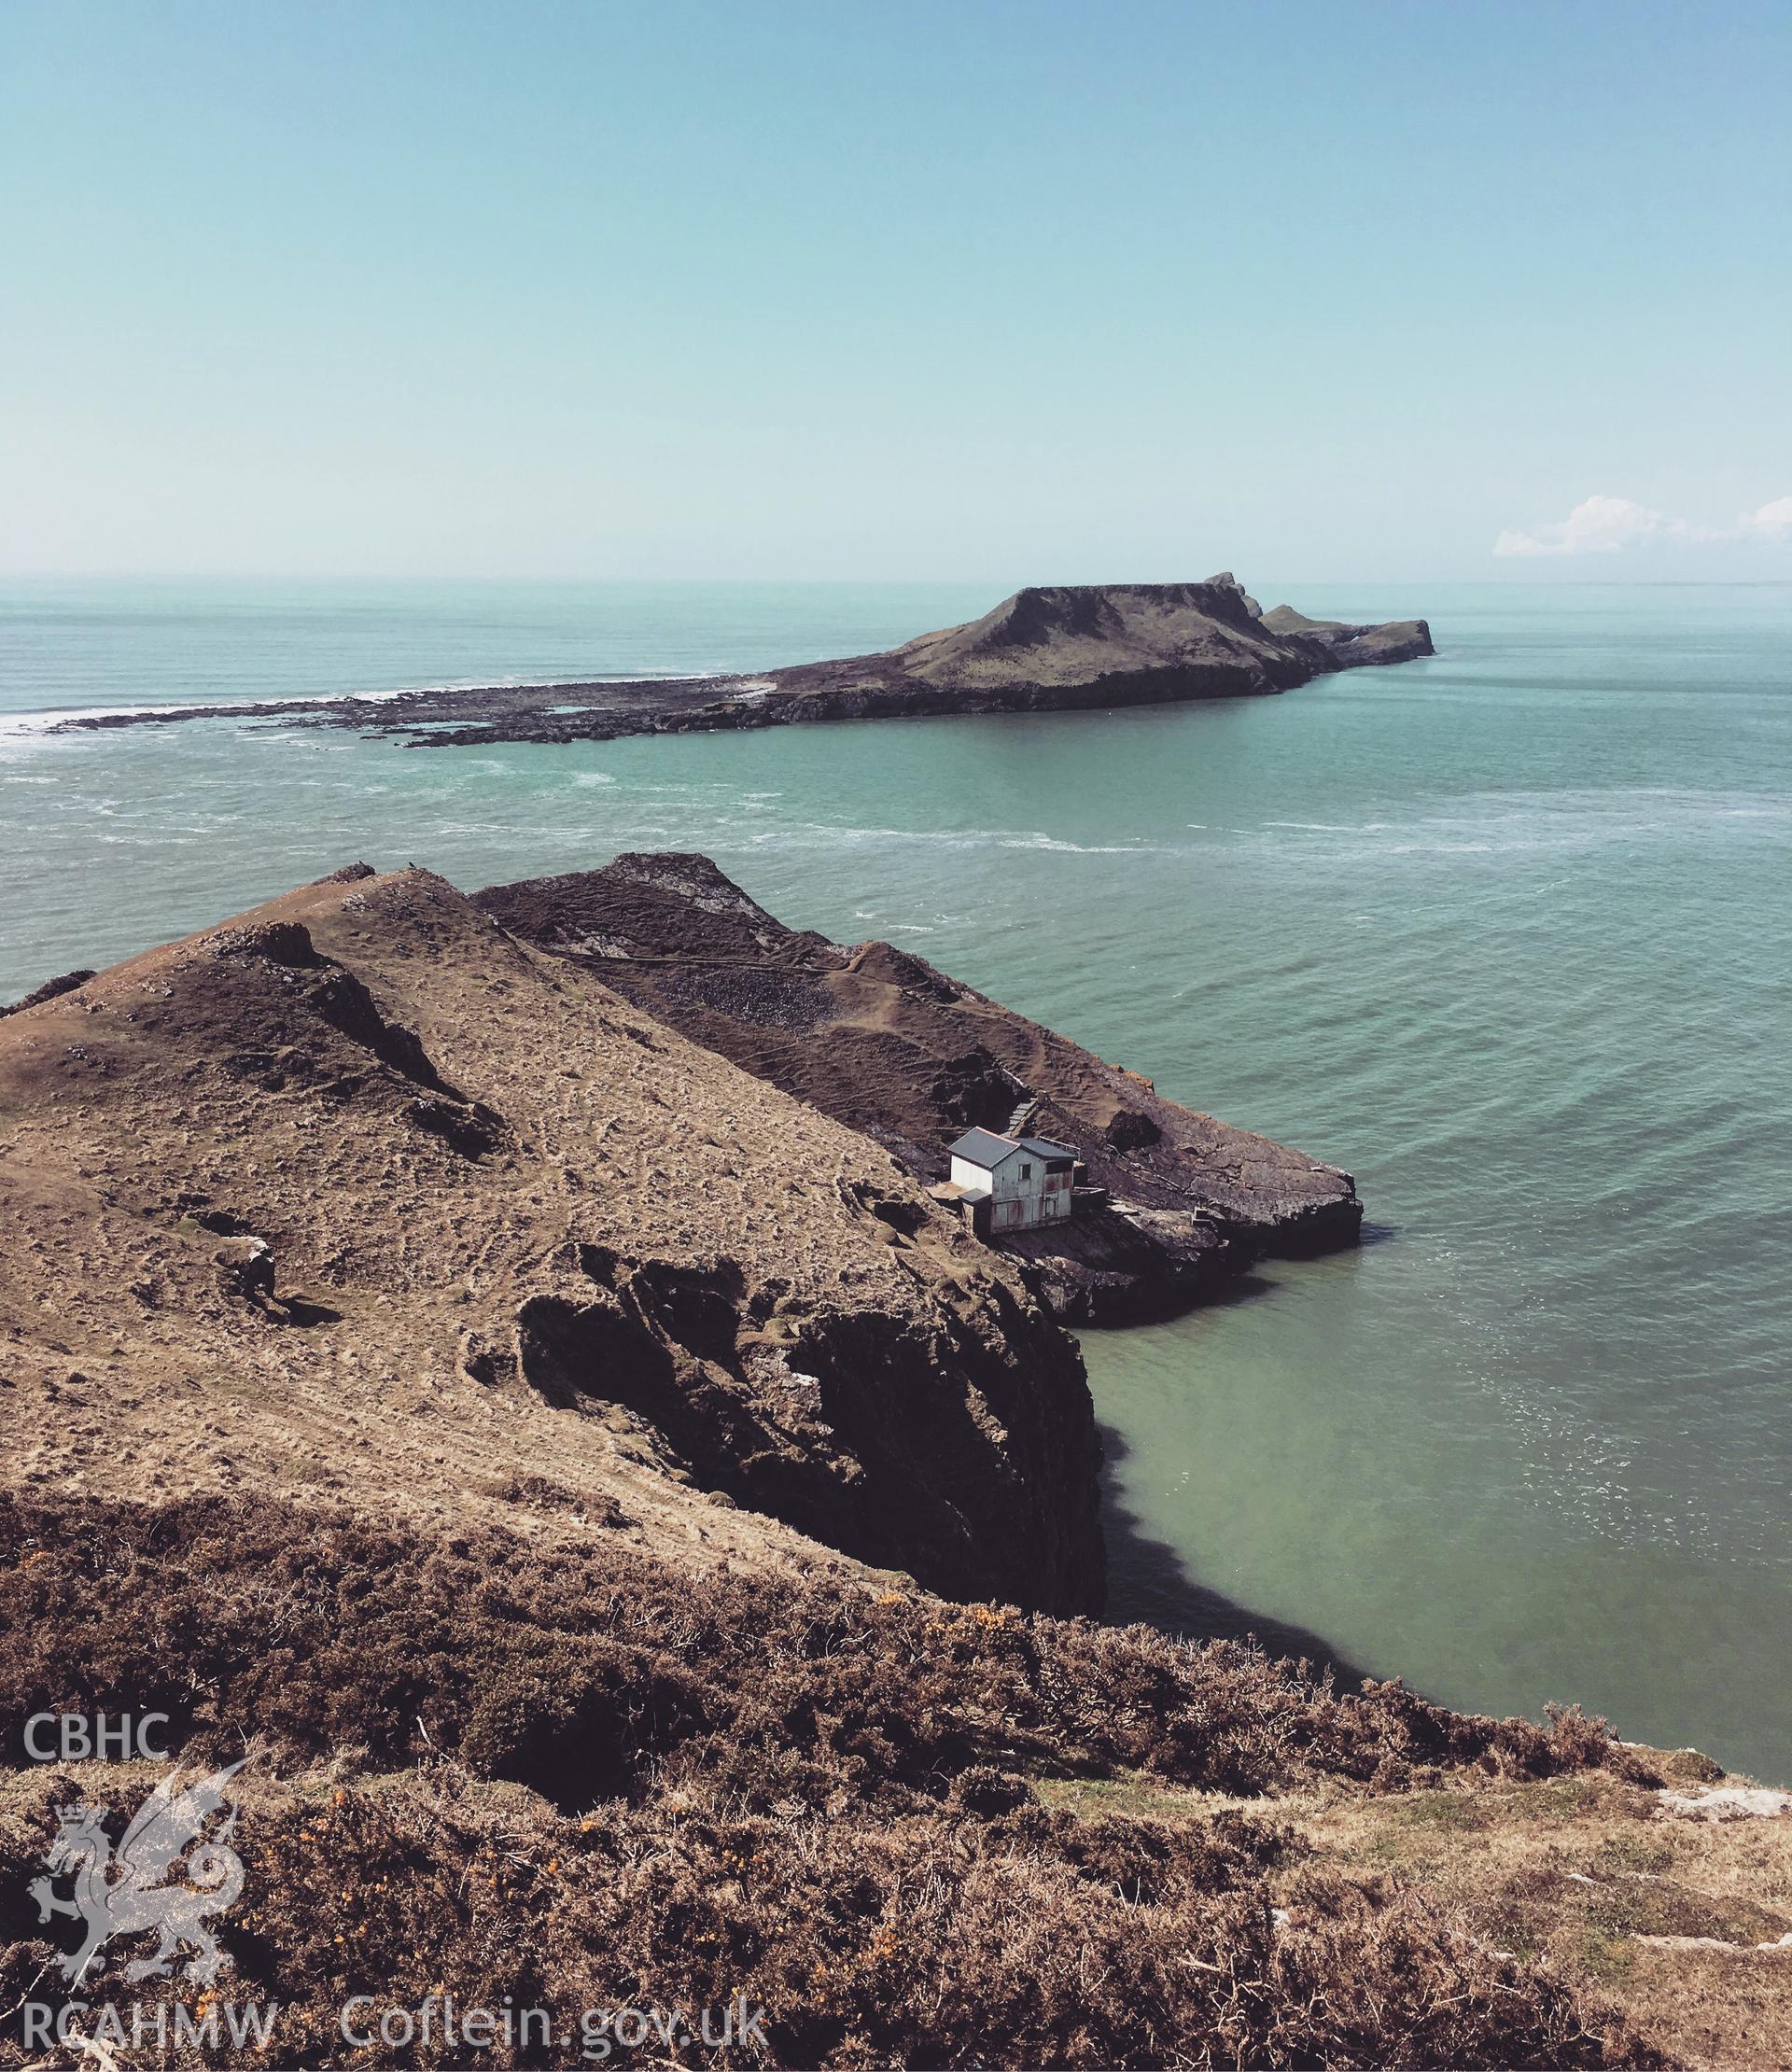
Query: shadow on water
<point x="1149" y="1582"/>
<point x="1249" y="1286"/>
<point x="1260" y="1279"/>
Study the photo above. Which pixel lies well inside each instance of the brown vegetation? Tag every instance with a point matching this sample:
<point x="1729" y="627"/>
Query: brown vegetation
<point x="821" y="1796"/>
<point x="588" y="1675"/>
<point x="1686" y="1924"/>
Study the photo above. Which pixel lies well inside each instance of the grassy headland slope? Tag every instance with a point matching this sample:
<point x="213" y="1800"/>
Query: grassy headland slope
<point x="595" y="1487"/>
<point x="888" y="1045"/>
<point x="508" y="1219"/>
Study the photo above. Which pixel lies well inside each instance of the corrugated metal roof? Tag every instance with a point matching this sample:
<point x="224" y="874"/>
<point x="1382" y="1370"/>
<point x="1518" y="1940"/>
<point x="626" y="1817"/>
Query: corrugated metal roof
<point x="983" y="1147"/>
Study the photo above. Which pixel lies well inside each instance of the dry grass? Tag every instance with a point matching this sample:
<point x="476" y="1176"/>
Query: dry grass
<point x="892" y="1393"/>
<point x="1581" y="1873"/>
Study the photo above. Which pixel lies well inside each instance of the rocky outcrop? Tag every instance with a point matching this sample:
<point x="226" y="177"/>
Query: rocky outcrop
<point x="1121" y="1263"/>
<point x="1046" y="648"/>
<point x="1355" y="646"/>
<point x="884" y="1042"/>
<point x="52" y="988"/>
<point x="955" y="1446"/>
<point x="246" y="1267"/>
<point x="521" y="1228"/>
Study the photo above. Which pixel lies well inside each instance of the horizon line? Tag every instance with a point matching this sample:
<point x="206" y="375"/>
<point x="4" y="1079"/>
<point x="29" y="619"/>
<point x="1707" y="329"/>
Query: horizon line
<point x="323" y="576"/>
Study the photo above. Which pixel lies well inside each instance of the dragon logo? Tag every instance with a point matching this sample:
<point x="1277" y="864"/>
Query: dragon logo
<point x="136" y="1891"/>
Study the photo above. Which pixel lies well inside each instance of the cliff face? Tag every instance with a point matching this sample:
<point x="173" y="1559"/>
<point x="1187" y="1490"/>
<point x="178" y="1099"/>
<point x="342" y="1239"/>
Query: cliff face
<point x="1084" y="634"/>
<point x="358" y="1194"/>
<point x="887" y="1045"/>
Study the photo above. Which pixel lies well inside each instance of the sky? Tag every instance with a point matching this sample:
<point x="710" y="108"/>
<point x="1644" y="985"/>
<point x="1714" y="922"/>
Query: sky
<point x="1063" y="290"/>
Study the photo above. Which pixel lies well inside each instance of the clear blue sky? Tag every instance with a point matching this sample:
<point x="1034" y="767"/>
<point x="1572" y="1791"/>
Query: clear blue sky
<point x="1073" y="288"/>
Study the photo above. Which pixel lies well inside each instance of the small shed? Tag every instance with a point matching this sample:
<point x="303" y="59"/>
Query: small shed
<point x="1024" y="1181"/>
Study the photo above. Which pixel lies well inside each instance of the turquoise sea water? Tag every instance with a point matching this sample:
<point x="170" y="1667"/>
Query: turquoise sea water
<point x="1507" y="932"/>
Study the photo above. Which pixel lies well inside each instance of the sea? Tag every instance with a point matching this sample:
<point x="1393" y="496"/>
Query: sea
<point x="1505" y="933"/>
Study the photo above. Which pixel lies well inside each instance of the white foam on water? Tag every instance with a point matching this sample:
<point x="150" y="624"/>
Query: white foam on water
<point x="1441" y="848"/>
<point x="1522" y="823"/>
<point x="32" y="725"/>
<point x="1075" y="849"/>
<point x="47" y="722"/>
<point x="819" y="834"/>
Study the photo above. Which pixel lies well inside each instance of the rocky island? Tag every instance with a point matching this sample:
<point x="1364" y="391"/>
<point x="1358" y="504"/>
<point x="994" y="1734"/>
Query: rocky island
<point x="498" y="1362"/>
<point x="1057" y="649"/>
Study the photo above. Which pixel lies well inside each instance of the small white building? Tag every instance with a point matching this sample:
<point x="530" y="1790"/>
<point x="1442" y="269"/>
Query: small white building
<point x="1013" y="1182"/>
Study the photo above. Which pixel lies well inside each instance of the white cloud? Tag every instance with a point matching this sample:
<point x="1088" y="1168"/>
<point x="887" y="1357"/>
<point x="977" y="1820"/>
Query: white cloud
<point x="1606" y="525"/>
<point x="1600" y="525"/>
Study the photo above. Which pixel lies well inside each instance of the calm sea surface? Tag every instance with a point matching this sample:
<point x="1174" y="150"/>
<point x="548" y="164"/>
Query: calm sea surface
<point x="1507" y="933"/>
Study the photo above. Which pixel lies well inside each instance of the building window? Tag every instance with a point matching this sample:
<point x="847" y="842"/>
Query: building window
<point x="1026" y="1172"/>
